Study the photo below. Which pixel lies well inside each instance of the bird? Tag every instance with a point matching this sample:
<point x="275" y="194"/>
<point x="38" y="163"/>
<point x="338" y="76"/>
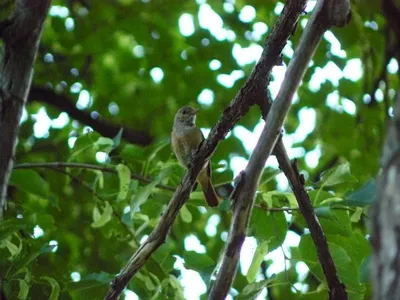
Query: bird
<point x="186" y="138"/>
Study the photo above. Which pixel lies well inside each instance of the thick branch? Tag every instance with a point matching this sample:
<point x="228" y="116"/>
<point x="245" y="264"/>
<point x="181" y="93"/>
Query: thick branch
<point x="386" y="216"/>
<point x="103" y="127"/>
<point x="21" y="35"/>
<point x="392" y="14"/>
<point x="326" y="14"/>
<point x="247" y="95"/>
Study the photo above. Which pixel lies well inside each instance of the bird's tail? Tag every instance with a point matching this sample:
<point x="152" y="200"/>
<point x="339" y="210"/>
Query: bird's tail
<point x="209" y="192"/>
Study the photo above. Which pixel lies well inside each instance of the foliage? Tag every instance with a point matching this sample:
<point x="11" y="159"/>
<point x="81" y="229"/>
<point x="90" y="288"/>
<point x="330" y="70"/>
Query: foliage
<point x="68" y="231"/>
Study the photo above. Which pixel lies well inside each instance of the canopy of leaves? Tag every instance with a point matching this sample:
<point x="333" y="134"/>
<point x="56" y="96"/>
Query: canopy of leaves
<point x="105" y="65"/>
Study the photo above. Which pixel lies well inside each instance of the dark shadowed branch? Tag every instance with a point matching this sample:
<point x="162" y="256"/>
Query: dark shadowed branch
<point x="248" y="94"/>
<point x="105" y="128"/>
<point x="326" y="14"/>
<point x="20" y="34"/>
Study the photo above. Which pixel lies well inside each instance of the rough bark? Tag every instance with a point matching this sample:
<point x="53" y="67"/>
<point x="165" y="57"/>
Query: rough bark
<point x="386" y="217"/>
<point x="21" y="34"/>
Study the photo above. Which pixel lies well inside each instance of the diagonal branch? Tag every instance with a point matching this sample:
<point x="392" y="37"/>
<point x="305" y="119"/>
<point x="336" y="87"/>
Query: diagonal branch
<point x="248" y="94"/>
<point x="103" y="127"/>
<point x="326" y="14"/>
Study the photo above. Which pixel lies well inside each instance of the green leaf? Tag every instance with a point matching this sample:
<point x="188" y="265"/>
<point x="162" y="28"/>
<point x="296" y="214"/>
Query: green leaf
<point x="31" y="182"/>
<point x="124" y="174"/>
<point x="101" y="219"/>
<point x="90" y="281"/>
<point x="198" y="262"/>
<point x="253" y="290"/>
<point x="271" y="227"/>
<point x="337" y="175"/>
<point x="23" y="289"/>
<point x="185" y="214"/>
<point x="117" y="138"/>
<point x="258" y="257"/>
<point x="10" y="226"/>
<point x="55" y="287"/>
<point x="104" y="144"/>
<point x="365" y="270"/>
<point x="364" y="196"/>
<point x="25" y="260"/>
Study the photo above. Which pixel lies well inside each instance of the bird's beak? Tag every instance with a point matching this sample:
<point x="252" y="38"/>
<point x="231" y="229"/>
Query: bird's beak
<point x="195" y="111"/>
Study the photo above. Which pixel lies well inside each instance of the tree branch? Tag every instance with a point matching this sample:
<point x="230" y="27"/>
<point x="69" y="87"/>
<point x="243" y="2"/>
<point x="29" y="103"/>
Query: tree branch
<point x="326" y="14"/>
<point x="21" y="35"/>
<point x="392" y="14"/>
<point x="103" y="127"/>
<point x="248" y="94"/>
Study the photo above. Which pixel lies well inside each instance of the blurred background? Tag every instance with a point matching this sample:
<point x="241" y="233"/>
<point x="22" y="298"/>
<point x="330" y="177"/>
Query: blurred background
<point x="131" y="64"/>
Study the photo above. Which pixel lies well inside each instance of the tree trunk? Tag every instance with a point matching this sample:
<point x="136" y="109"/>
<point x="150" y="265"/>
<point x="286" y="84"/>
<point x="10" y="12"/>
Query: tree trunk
<point x="386" y="217"/>
<point x="21" y="34"/>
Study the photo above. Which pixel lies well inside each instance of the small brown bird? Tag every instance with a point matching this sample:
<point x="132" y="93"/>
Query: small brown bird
<point x="186" y="138"/>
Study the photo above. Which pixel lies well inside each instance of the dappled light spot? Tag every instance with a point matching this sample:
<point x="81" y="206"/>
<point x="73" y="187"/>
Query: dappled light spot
<point x="353" y="69"/>
<point x="192" y="243"/>
<point x="71" y="141"/>
<point x="246" y="55"/>
<point x="191" y="281"/>
<point x="224" y="236"/>
<point x="247" y="14"/>
<point x="84" y="100"/>
<point x="157" y="74"/>
<point x="312" y="157"/>
<point x="59" y="11"/>
<point x="211" y="226"/>
<point x="209" y="19"/>
<point x="237" y="164"/>
<point x="74" y="72"/>
<point x="206" y="97"/>
<point x="48" y="58"/>
<point x="69" y="24"/>
<point x="42" y="123"/>
<point x="61" y="121"/>
<point x="205" y="42"/>
<point x="76" y="87"/>
<point x="302" y="270"/>
<point x="379" y="95"/>
<point x="155" y="35"/>
<point x="349" y="106"/>
<point x="186" y="24"/>
<point x="229" y="80"/>
<point x="130" y="295"/>
<point x="143" y="239"/>
<point x="113" y="108"/>
<point x="24" y="116"/>
<point x="335" y="44"/>
<point x="101" y="157"/>
<point x="75" y="276"/>
<point x="247" y="253"/>
<point x="228" y="7"/>
<point x="215" y="64"/>
<point x="54" y="244"/>
<point x="278" y="8"/>
<point x="138" y="51"/>
<point x="393" y="66"/>
<point x="371" y="24"/>
<point x="37" y="232"/>
<point x="259" y="29"/>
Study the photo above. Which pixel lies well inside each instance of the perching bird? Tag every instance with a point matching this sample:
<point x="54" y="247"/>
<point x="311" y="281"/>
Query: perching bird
<point x="186" y="138"/>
